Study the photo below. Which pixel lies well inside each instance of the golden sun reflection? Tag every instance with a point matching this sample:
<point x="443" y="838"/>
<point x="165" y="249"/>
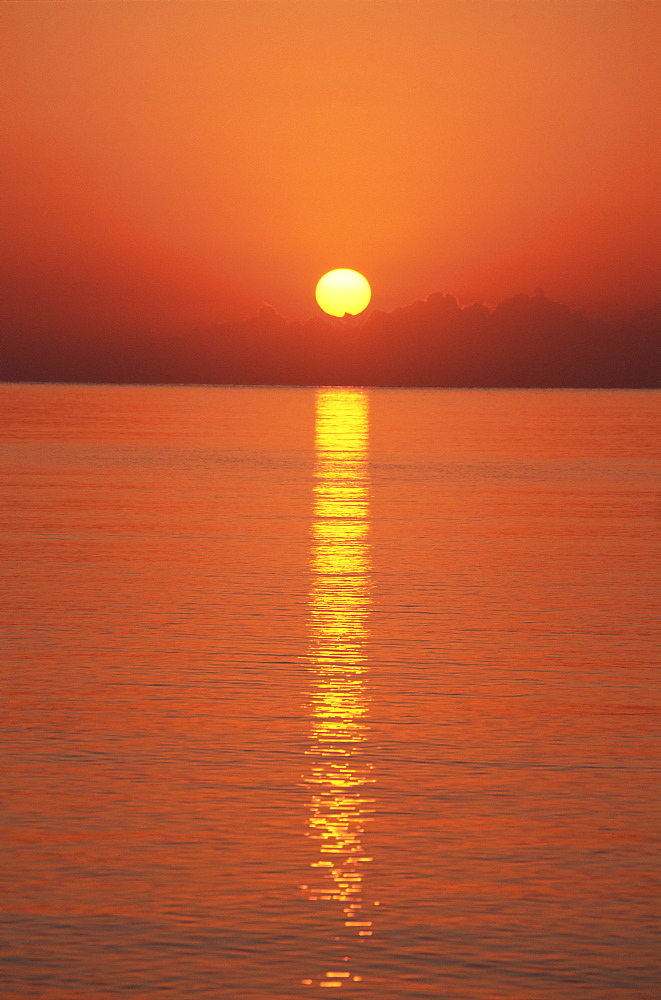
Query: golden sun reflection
<point x="340" y="774"/>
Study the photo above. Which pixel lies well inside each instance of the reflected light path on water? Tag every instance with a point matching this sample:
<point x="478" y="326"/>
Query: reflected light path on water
<point x="340" y="775"/>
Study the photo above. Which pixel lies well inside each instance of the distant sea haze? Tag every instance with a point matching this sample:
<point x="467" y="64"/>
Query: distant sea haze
<point x="526" y="341"/>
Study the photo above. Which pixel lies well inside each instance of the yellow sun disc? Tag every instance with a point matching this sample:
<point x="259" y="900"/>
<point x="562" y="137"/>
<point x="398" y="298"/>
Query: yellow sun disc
<point x="343" y="291"/>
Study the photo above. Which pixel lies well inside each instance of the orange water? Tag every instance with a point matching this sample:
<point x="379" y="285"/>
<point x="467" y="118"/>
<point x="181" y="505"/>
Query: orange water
<point x="329" y="690"/>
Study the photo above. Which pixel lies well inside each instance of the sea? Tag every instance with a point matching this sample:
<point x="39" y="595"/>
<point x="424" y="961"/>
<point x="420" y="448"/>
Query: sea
<point x="331" y="688"/>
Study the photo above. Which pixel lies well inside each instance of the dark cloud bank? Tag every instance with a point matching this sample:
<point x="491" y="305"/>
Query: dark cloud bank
<point x="526" y="341"/>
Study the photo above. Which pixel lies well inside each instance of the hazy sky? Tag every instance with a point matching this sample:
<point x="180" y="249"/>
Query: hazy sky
<point x="185" y="162"/>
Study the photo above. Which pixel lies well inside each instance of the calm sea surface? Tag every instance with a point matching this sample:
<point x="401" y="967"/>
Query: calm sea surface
<point x="337" y="689"/>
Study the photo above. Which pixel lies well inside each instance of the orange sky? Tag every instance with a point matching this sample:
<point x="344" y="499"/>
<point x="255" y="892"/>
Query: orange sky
<point x="183" y="163"/>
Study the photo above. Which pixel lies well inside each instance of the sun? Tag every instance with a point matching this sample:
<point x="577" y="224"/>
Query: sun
<point x="343" y="291"/>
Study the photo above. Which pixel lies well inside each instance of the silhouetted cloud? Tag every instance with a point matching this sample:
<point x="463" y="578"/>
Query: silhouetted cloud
<point x="523" y="341"/>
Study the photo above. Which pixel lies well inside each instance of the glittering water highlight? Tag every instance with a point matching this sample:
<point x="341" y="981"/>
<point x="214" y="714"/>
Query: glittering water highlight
<point x="340" y="778"/>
